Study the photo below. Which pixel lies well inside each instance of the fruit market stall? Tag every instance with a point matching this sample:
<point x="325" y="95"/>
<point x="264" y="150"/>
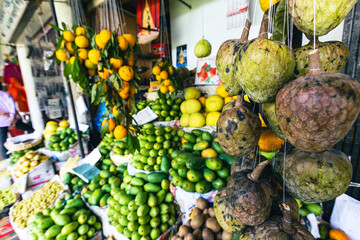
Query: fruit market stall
<point x="249" y="158"/>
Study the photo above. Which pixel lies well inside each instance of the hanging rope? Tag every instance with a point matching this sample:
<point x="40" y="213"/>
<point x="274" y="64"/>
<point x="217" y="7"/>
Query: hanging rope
<point x="77" y="12"/>
<point x="164" y="37"/>
<point x="314" y="25"/>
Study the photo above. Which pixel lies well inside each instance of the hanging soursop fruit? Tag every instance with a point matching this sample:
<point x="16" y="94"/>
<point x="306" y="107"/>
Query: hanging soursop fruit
<point x="289" y="200"/>
<point x="333" y="56"/>
<point x="250" y="195"/>
<point x="282" y="228"/>
<point x="238" y="129"/>
<point x="317" y="110"/>
<point x="329" y="14"/>
<point x="314" y="177"/>
<point x="264" y="66"/>
<point x="270" y="119"/>
<point x="225" y="60"/>
<point x="224" y="214"/>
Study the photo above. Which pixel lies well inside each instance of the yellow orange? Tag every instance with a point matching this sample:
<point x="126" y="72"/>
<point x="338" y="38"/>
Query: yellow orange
<point x="61" y="55"/>
<point x="116" y="62"/>
<point x="171" y="70"/>
<point x="89" y="65"/>
<point x="202" y="101"/>
<point x="105" y="74"/>
<point x="82" y="53"/>
<point x="126" y="73"/>
<point x="164" y="75"/>
<point x="105" y="36"/>
<point x="111" y="123"/>
<point x="166" y="82"/>
<point x="124" y="95"/>
<point x="130" y="60"/>
<point x="81" y="41"/>
<point x="120" y="132"/>
<point x="80" y="31"/>
<point x="220" y="90"/>
<point x="130" y="39"/>
<point x="94" y="56"/>
<point x="98" y="41"/>
<point x="69" y="36"/>
<point x="69" y="48"/>
<point x="171" y="89"/>
<point x="156" y="70"/>
<point x="158" y="77"/>
<point x="164" y="89"/>
<point x="123" y="43"/>
<point x="115" y="110"/>
<point x="228" y="99"/>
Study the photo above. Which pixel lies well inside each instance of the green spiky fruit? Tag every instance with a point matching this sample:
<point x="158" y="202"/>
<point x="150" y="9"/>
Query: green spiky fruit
<point x="329" y="14"/>
<point x="333" y="56"/>
<point x="225" y="59"/>
<point x="314" y="177"/>
<point x="263" y="67"/>
<point x="269" y="117"/>
<point x="224" y="214"/>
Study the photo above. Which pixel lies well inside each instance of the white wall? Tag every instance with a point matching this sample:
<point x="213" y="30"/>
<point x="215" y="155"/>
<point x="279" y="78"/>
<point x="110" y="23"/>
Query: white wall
<point x="186" y="26"/>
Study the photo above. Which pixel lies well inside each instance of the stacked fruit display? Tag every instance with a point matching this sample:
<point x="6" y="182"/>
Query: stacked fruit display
<point x="53" y="127"/>
<point x="64" y="221"/>
<point x="28" y="162"/>
<point x="191" y="109"/>
<point x="75" y="183"/>
<point x="168" y="77"/>
<point x="16" y="155"/>
<point x="100" y="187"/>
<point x="62" y="139"/>
<point x="7" y="197"/>
<point x="143" y="206"/>
<point x="203" y="224"/>
<point x="197" y="168"/>
<point x="156" y="145"/>
<point x="167" y="107"/>
<point x="37" y="202"/>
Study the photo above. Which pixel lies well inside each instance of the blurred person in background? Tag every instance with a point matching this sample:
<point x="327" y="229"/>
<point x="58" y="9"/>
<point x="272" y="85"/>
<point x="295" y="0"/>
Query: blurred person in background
<point x="7" y="119"/>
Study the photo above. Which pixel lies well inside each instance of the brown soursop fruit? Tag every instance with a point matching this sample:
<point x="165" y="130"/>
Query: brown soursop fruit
<point x="282" y="228"/>
<point x="224" y="214"/>
<point x="329" y="14"/>
<point x="264" y="66"/>
<point x="317" y="110"/>
<point x="314" y="177"/>
<point x="225" y="60"/>
<point x="333" y="55"/>
<point x="269" y="116"/>
<point x="238" y="129"/>
<point x="249" y="195"/>
<point x="289" y="200"/>
<point x="246" y="162"/>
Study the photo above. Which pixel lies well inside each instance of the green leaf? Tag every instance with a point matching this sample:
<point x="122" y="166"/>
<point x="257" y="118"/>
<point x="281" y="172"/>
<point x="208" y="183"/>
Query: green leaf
<point x="280" y="22"/>
<point x="93" y="93"/>
<point x="64" y="26"/>
<point x="55" y="27"/>
<point x="133" y="143"/>
<point x="104" y="129"/>
<point x="67" y="69"/>
<point x="51" y="57"/>
<point x="58" y="44"/>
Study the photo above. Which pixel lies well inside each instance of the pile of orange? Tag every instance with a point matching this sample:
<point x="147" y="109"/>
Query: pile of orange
<point x="163" y="74"/>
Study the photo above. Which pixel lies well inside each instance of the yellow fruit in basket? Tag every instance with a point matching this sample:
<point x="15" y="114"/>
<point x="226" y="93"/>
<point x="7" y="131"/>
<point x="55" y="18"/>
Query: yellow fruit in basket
<point x="191" y="93"/>
<point x="80" y="31"/>
<point x="61" y="55"/>
<point x="30" y="154"/>
<point x="126" y="73"/>
<point x="51" y="123"/>
<point x="130" y="39"/>
<point x="25" y="169"/>
<point x="208" y="153"/>
<point x="183" y="107"/>
<point x="82" y="42"/>
<point x="214" y="103"/>
<point x="51" y="128"/>
<point x="94" y="56"/>
<point x="196" y="120"/>
<point x="202" y="101"/>
<point x="69" y="36"/>
<point x="64" y="124"/>
<point x="156" y="70"/>
<point x="184" y="120"/>
<point x="212" y="117"/>
<point x="164" y="89"/>
<point x="111" y="123"/>
<point x="192" y="106"/>
<point x="34" y="163"/>
<point x="123" y="43"/>
<point x="220" y="90"/>
<point x="164" y="75"/>
<point x="120" y="132"/>
<point x="116" y="62"/>
<point x="82" y="53"/>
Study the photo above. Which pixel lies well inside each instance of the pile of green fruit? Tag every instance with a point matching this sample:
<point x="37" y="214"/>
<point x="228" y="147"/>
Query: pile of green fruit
<point x="197" y="167"/>
<point x="75" y="183"/>
<point x="143" y="207"/>
<point x="167" y="107"/>
<point x="98" y="191"/>
<point x="307" y="208"/>
<point x="37" y="202"/>
<point x="7" y="197"/>
<point x="62" y="140"/>
<point x="68" y="221"/>
<point x="16" y="155"/>
<point x="121" y="147"/>
<point x="156" y="145"/>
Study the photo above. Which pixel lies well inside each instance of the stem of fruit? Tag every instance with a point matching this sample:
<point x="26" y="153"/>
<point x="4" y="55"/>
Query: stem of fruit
<point x="256" y="173"/>
<point x="314" y="62"/>
<point x="263" y="33"/>
<point x="238" y="100"/>
<point x="245" y="33"/>
<point x="286" y="223"/>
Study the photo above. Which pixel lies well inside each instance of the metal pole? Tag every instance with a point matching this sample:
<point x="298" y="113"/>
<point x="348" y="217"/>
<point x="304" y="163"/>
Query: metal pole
<point x="78" y="133"/>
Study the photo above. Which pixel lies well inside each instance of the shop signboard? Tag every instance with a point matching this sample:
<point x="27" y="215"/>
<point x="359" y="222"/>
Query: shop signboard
<point x="12" y="10"/>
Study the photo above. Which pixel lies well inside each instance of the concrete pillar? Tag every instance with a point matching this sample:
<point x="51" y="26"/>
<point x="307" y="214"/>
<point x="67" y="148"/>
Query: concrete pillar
<point x="29" y="84"/>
